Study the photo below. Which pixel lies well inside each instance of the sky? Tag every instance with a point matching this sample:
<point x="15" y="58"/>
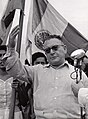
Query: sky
<point x="74" y="11"/>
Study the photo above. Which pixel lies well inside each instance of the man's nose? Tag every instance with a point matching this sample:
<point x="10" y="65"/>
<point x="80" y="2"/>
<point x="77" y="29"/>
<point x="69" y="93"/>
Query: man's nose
<point x="0" y="58"/>
<point x="52" y="51"/>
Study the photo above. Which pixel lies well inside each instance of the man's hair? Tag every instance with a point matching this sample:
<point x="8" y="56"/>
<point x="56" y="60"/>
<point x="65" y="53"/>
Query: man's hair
<point x="3" y="47"/>
<point x="54" y="36"/>
<point x="37" y="55"/>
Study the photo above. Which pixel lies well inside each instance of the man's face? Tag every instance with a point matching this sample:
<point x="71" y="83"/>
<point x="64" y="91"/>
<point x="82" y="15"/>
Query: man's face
<point x="55" y="51"/>
<point x="40" y="60"/>
<point x="2" y="53"/>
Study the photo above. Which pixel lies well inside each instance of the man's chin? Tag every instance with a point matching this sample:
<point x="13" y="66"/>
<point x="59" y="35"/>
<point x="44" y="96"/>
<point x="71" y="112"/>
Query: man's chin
<point x="54" y="63"/>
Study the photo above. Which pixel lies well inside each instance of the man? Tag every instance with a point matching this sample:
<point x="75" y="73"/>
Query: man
<point x="6" y="89"/>
<point x="55" y="92"/>
<point x="39" y="58"/>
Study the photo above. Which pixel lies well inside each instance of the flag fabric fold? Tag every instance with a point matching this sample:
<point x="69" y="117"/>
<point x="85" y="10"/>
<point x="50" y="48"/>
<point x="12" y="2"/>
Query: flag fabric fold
<point x="43" y="16"/>
<point x="6" y="20"/>
<point x="28" y="52"/>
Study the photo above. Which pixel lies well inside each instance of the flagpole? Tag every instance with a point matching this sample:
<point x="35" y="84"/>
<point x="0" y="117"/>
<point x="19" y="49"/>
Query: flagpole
<point x="13" y="99"/>
<point x="31" y="54"/>
<point x="12" y="104"/>
<point x="30" y="51"/>
<point x="21" y="26"/>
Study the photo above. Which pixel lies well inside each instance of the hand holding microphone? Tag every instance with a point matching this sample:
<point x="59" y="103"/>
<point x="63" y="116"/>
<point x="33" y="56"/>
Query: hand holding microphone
<point x="78" y="56"/>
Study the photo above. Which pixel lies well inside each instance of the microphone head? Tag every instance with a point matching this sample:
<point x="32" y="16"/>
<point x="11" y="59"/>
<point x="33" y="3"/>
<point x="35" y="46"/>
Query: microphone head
<point x="77" y="52"/>
<point x="78" y="56"/>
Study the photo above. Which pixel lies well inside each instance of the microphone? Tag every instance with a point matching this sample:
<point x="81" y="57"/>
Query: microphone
<point x="78" y="56"/>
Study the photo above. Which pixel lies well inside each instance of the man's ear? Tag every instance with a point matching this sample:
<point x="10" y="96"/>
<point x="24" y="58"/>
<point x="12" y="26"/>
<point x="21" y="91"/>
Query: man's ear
<point x="65" y="49"/>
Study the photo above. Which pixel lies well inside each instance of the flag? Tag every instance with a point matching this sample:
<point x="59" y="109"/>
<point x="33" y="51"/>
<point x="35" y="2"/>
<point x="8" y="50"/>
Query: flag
<point x="28" y="52"/>
<point x="43" y="16"/>
<point x="6" y="20"/>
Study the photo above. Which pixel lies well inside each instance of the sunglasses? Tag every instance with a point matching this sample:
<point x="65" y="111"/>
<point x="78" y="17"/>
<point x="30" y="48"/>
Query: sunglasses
<point x="54" y="48"/>
<point x="1" y="55"/>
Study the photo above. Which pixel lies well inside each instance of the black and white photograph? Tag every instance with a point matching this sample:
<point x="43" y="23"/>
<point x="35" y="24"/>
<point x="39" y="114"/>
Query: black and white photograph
<point x="43" y="59"/>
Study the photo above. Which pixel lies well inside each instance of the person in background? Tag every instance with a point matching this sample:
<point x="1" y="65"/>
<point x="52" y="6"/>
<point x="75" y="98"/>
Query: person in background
<point x="39" y="58"/>
<point x="6" y="90"/>
<point x="55" y="93"/>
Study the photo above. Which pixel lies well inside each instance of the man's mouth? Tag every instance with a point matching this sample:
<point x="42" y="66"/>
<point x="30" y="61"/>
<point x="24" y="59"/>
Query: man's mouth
<point x="53" y="57"/>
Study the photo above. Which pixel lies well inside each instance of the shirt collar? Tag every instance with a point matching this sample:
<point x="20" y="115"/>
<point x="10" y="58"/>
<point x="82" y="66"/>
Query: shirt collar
<point x="64" y="64"/>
